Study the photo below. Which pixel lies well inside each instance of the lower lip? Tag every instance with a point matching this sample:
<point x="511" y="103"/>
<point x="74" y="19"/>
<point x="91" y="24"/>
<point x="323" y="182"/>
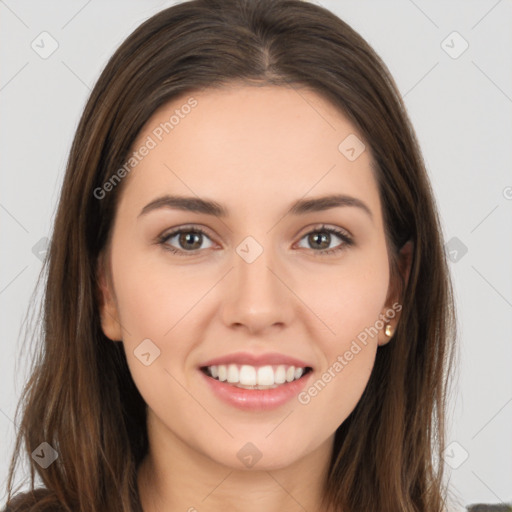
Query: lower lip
<point x="256" y="399"/>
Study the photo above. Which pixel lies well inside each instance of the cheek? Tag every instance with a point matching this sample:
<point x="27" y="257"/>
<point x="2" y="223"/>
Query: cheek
<point x="153" y="298"/>
<point x="348" y="298"/>
<point x="151" y="307"/>
<point x="350" y="304"/>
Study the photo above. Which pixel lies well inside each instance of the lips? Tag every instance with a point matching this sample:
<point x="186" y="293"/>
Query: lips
<point x="256" y="382"/>
<point x="256" y="398"/>
<point x="252" y="371"/>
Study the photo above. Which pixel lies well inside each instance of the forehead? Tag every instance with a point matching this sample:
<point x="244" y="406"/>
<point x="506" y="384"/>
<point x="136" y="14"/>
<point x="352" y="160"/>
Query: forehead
<point x="241" y="144"/>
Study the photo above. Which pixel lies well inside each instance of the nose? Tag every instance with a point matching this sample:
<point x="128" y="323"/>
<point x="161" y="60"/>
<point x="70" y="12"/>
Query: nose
<point x="257" y="295"/>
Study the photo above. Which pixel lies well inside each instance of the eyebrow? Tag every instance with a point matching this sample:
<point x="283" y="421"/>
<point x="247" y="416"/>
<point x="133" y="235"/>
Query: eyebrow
<point x="208" y="207"/>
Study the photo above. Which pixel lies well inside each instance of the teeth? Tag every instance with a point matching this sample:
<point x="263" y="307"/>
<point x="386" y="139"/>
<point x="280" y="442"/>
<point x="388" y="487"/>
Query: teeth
<point x="265" y="376"/>
<point x="262" y="377"/>
<point x="280" y="375"/>
<point x="233" y="373"/>
<point x="223" y="372"/>
<point x="247" y="375"/>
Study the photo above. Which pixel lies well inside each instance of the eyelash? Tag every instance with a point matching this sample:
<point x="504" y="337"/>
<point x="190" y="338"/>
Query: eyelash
<point x="347" y="240"/>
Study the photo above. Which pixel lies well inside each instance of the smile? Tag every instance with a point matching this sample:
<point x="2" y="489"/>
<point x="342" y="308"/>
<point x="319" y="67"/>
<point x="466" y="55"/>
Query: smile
<point x="255" y="377"/>
<point x="271" y="388"/>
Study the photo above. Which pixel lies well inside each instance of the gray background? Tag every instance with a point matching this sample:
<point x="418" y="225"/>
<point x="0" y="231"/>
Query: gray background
<point x="461" y="109"/>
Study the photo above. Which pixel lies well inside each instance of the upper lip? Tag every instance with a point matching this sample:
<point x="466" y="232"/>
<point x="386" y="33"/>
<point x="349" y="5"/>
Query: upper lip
<point x="270" y="358"/>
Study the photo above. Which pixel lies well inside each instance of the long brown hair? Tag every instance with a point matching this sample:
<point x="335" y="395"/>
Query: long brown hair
<point x="81" y="398"/>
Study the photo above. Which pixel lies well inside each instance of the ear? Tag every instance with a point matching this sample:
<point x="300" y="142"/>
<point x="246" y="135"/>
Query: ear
<point x="107" y="305"/>
<point x="391" y="312"/>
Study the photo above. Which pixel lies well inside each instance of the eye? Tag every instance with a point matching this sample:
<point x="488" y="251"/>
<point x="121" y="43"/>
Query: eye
<point x="321" y="238"/>
<point x="188" y="240"/>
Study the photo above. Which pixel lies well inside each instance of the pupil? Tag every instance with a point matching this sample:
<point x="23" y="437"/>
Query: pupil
<point x="188" y="238"/>
<point x="323" y="237"/>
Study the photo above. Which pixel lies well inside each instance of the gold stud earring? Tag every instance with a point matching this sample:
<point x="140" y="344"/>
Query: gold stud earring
<point x="389" y="330"/>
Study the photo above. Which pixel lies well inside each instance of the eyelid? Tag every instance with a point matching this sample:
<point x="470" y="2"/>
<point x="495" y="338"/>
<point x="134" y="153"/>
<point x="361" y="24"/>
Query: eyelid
<point x="187" y="227"/>
<point x="324" y="226"/>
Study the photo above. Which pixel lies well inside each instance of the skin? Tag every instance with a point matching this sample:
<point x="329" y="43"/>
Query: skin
<point x="255" y="150"/>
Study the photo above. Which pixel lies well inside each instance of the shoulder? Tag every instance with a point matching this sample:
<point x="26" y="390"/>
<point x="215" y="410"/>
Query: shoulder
<point x="39" y="500"/>
<point x="481" y="507"/>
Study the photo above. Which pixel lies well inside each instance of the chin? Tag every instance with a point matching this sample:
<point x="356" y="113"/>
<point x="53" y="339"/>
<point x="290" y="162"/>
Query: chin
<point x="258" y="456"/>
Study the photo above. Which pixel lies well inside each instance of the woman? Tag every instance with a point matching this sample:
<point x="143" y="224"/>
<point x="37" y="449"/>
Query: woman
<point x="247" y="300"/>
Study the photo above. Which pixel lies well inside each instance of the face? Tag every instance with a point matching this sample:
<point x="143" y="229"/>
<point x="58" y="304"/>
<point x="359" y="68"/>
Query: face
<point x="267" y="278"/>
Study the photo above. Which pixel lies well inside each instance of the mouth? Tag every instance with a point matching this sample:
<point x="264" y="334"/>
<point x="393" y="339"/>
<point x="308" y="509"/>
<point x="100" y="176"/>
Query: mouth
<point x="256" y="377"/>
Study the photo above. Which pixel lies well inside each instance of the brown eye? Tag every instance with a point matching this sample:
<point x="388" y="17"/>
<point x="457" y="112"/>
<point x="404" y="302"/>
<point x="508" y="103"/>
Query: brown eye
<point x="185" y="240"/>
<point x="190" y="240"/>
<point x="321" y="238"/>
<point x="319" y="241"/>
